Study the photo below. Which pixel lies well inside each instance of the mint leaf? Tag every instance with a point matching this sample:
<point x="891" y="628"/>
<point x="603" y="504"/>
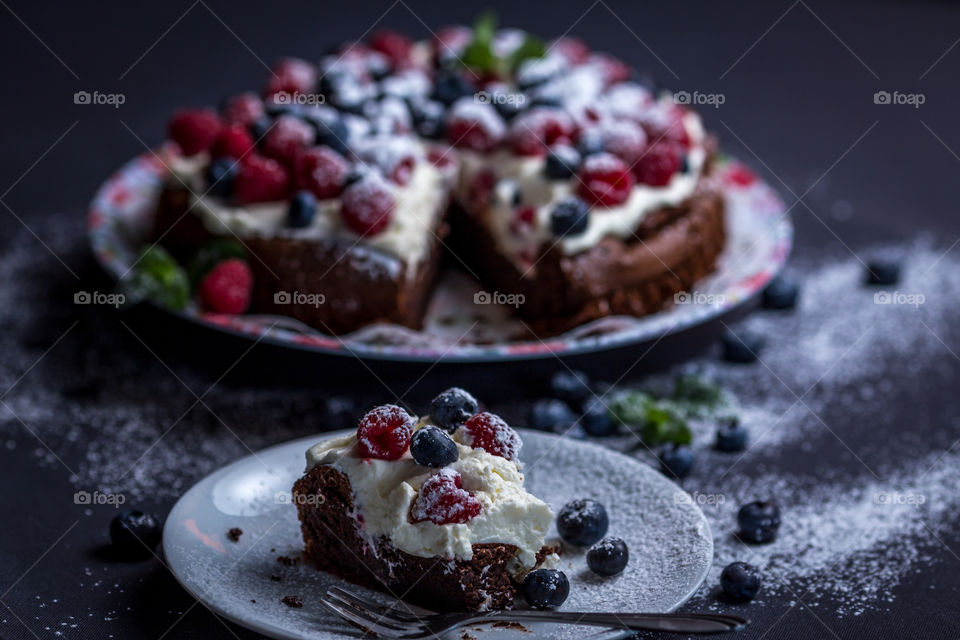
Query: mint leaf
<point x="479" y="53"/>
<point x="629" y="407"/>
<point x="532" y="47"/>
<point x="660" y="421"/>
<point x="158" y="277"/>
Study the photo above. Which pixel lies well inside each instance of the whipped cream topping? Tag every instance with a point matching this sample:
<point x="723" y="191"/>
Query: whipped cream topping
<point x="523" y="178"/>
<point x="408" y="237"/>
<point x="384" y="491"/>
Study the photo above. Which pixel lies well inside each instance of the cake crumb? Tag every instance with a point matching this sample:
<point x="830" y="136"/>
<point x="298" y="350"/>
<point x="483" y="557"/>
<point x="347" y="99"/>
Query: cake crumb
<point x="515" y="626"/>
<point x="234" y="534"/>
<point x="276" y="578"/>
<point x="467" y="636"/>
<point x="287" y="561"/>
<point x="294" y="602"/>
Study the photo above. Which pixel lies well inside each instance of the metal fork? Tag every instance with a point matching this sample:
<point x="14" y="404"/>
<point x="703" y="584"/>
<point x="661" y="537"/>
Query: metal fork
<point x="389" y="622"/>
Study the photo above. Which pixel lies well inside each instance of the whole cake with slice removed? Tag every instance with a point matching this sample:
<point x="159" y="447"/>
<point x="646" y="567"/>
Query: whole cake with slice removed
<point x="545" y="169"/>
<point x="431" y="510"/>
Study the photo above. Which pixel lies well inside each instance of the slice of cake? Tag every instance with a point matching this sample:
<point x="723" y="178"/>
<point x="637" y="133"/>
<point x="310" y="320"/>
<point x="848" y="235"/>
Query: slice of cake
<point x="578" y="190"/>
<point x="432" y="511"/>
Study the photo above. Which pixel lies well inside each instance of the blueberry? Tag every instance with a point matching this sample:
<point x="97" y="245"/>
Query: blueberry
<point x="758" y="521"/>
<point x="608" y="557"/>
<point x="742" y="347"/>
<point x="883" y="272"/>
<point x="582" y="522"/>
<point x="781" y="293"/>
<point x="334" y="135"/>
<point x="351" y="97"/>
<point x="451" y="408"/>
<point x="740" y="581"/>
<point x="259" y="128"/>
<point x="573" y="387"/>
<point x="220" y="177"/>
<point x="546" y="100"/>
<point x="431" y="447"/>
<point x="676" y="460"/>
<point x="591" y="142"/>
<point x="302" y="209"/>
<point x="277" y="109"/>
<point x="510" y="105"/>
<point x="450" y="87"/>
<point x="135" y="534"/>
<point x="549" y="415"/>
<point x="545" y="588"/>
<point x="685" y="164"/>
<point x="428" y="119"/>
<point x="596" y="419"/>
<point x="569" y="217"/>
<point x="732" y="436"/>
<point x="562" y="162"/>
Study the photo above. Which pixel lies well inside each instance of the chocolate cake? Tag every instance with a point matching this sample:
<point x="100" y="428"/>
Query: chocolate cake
<point x="547" y="170"/>
<point x="380" y="510"/>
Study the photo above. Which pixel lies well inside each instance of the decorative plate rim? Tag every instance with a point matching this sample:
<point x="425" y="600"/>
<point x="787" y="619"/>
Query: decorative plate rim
<point x="140" y="179"/>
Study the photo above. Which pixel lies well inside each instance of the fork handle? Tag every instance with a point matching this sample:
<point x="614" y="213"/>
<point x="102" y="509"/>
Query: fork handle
<point x="671" y="622"/>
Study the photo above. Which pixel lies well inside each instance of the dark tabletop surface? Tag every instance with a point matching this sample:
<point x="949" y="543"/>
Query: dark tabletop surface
<point x="78" y="383"/>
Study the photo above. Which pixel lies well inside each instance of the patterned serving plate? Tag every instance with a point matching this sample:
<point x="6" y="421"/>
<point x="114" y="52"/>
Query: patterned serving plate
<point x="456" y="329"/>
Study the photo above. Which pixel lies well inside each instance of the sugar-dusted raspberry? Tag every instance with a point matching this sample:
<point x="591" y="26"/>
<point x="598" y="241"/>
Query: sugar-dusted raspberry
<point x="668" y="127"/>
<point x="261" y="179"/>
<point x="449" y="41"/>
<point x="573" y="49"/>
<point x="442" y="159"/>
<point x="611" y="69"/>
<point x="227" y="287"/>
<point x="243" y="109"/>
<point x="234" y="141"/>
<point x="604" y="180"/>
<point x="740" y="175"/>
<point x="384" y="432"/>
<point x="322" y="171"/>
<point x="290" y="76"/>
<point x="367" y="206"/>
<point x="288" y="136"/>
<point x="479" y="190"/>
<point x="195" y="130"/>
<point x="534" y="132"/>
<point x="475" y="125"/>
<point x="392" y="44"/>
<point x="627" y="101"/>
<point x="443" y="500"/>
<point x="659" y="163"/>
<point x="624" y="139"/>
<point x="490" y="433"/>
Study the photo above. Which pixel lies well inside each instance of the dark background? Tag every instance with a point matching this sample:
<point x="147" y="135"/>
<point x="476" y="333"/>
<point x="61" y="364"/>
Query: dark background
<point x="798" y="80"/>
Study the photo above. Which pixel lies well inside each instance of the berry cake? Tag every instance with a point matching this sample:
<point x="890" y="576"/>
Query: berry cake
<point x="545" y="169"/>
<point x="431" y="510"/>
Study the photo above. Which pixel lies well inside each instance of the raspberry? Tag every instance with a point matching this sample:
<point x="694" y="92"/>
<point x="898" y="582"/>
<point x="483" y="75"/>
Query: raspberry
<point x="288" y="135"/>
<point x="573" y="49"/>
<point x="402" y="170"/>
<point x="227" y="287"/>
<point x="475" y="126"/>
<point x="385" y="432"/>
<point x="322" y="171"/>
<point x="740" y="175"/>
<point x="479" y="189"/>
<point x="367" y="206"/>
<point x="261" y="180"/>
<point x="626" y="140"/>
<point x="532" y="133"/>
<point x="659" y="163"/>
<point x="442" y="159"/>
<point x="450" y="41"/>
<point x="194" y="130"/>
<point x="243" y="109"/>
<point x="604" y="180"/>
<point x="291" y="75"/>
<point x="611" y="69"/>
<point x="668" y="128"/>
<point x="490" y="433"/>
<point x="234" y="142"/>
<point x="443" y="500"/>
<point x="393" y="45"/>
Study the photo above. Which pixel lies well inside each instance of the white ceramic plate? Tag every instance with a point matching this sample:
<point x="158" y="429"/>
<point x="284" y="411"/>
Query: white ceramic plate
<point x="669" y="539"/>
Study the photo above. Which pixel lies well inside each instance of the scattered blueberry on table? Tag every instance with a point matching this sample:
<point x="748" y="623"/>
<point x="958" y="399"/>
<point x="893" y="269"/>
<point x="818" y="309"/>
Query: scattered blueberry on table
<point x="676" y="460"/>
<point x="731" y="436"/>
<point x="883" y="272"/>
<point x="781" y="293"/>
<point x="596" y="420"/>
<point x="573" y="387"/>
<point x="135" y="534"/>
<point x="758" y="521"/>
<point x="740" y="581"/>
<point x="608" y="557"/>
<point x="742" y="347"/>
<point x="432" y="447"/>
<point x="582" y="522"/>
<point x="545" y="588"/>
<point x="549" y="415"/>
